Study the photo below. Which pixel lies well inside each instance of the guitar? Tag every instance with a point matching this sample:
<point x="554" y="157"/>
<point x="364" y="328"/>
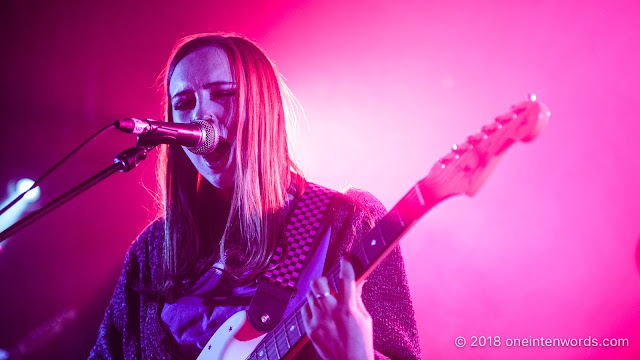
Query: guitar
<point x="462" y="171"/>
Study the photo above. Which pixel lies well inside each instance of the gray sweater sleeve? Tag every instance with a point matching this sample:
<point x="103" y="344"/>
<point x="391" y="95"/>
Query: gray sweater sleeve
<point x="131" y="328"/>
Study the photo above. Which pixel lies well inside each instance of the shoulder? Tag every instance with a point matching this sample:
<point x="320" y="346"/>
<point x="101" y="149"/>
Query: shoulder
<point x="147" y="248"/>
<point x="140" y="271"/>
<point x="353" y="213"/>
<point x="150" y="238"/>
<point x="359" y="204"/>
<point x="365" y="200"/>
<point x="353" y="201"/>
<point x="153" y="231"/>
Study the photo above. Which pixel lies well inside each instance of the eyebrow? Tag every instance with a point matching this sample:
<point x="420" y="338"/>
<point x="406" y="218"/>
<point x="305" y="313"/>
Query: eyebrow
<point x="205" y="86"/>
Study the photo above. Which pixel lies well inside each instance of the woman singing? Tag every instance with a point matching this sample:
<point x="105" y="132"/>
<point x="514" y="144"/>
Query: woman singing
<point x="224" y="217"/>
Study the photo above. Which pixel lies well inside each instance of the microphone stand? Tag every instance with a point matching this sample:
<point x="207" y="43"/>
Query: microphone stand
<point x="124" y="162"/>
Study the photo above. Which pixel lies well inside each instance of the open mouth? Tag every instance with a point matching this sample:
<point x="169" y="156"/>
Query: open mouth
<point x="220" y="154"/>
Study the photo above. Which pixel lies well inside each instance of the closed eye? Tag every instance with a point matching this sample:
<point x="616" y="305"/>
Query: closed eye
<point x="222" y="93"/>
<point x="184" y="104"/>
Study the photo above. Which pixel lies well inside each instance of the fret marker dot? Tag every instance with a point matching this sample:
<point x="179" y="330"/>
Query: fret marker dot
<point x="261" y="353"/>
<point x="373" y="242"/>
<point x="291" y="328"/>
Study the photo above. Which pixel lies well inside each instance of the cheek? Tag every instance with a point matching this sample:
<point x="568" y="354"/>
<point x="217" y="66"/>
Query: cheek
<point x="229" y="116"/>
<point x="179" y="116"/>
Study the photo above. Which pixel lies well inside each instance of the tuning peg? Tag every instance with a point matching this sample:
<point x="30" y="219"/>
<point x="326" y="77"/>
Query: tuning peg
<point x="506" y="118"/>
<point x="491" y="128"/>
<point x="447" y="159"/>
<point x="475" y="139"/>
<point x="461" y="149"/>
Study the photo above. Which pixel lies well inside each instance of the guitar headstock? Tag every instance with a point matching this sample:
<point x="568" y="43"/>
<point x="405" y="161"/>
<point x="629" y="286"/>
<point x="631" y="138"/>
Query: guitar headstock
<point x="465" y="169"/>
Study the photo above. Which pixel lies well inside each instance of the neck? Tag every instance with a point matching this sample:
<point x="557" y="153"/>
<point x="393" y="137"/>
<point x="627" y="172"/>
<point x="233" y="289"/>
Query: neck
<point x="224" y="195"/>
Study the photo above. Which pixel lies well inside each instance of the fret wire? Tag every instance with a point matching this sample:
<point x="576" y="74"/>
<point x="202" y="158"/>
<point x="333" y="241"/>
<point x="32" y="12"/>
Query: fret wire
<point x="286" y="328"/>
<point x="285" y="336"/>
<point x="278" y="331"/>
<point x="275" y="347"/>
<point x="416" y="189"/>
<point x="335" y="271"/>
<point x="278" y="343"/>
<point x="390" y="215"/>
<point x="362" y="250"/>
<point x="382" y="238"/>
<point x="264" y="351"/>
<point x="264" y="343"/>
<point x="336" y="277"/>
<point x="410" y="197"/>
<point x="281" y="344"/>
<point x="299" y="324"/>
<point x="334" y="283"/>
<point x="395" y="212"/>
<point x="296" y="314"/>
<point x="255" y="351"/>
<point x="261" y="343"/>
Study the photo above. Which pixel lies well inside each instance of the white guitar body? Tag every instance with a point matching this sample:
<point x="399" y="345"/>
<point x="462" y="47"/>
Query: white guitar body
<point x="235" y="339"/>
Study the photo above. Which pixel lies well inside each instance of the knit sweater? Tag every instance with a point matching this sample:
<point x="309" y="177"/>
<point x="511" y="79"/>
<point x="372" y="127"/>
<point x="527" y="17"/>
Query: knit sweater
<point x="133" y="329"/>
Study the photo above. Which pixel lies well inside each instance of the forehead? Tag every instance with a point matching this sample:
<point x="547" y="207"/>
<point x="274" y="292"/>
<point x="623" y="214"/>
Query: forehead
<point x="203" y="66"/>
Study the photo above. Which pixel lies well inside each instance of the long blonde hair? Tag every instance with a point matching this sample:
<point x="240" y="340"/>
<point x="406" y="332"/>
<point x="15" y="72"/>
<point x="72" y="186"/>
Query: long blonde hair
<point x="264" y="173"/>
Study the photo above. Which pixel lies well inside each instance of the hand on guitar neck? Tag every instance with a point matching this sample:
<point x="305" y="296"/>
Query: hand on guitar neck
<point x="339" y="324"/>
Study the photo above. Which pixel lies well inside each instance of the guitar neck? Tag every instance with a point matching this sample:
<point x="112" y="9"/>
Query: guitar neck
<point x="462" y="171"/>
<point x="385" y="236"/>
<point x="365" y="257"/>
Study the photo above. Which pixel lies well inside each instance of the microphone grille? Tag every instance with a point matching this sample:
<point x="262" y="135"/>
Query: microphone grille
<point x="209" y="140"/>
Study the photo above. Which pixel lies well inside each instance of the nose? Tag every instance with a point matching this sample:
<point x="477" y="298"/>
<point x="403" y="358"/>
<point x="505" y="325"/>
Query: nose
<point x="208" y="117"/>
<point x="205" y="115"/>
<point x="206" y="110"/>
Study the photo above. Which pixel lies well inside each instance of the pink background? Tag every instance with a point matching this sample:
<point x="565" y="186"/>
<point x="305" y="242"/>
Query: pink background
<point x="548" y="248"/>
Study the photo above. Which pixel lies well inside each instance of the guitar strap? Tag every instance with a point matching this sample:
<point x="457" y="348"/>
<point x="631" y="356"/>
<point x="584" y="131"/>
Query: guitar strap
<point x="304" y="225"/>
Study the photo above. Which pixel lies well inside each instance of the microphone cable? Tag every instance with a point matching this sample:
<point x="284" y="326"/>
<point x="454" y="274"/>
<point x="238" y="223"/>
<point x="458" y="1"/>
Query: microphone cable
<point x="54" y="167"/>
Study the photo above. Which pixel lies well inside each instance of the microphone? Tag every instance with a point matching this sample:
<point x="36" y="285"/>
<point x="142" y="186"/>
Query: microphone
<point x="199" y="137"/>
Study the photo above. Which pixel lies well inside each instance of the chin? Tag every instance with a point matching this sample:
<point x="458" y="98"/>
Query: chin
<point x="221" y="182"/>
